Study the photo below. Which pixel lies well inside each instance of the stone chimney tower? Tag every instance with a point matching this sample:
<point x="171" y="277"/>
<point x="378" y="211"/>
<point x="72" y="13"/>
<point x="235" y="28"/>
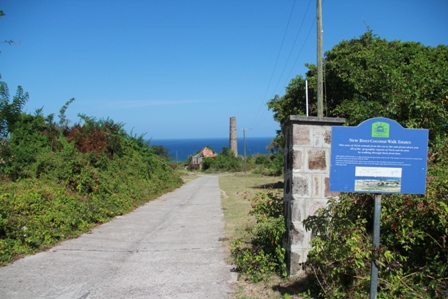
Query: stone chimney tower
<point x="233" y="143"/>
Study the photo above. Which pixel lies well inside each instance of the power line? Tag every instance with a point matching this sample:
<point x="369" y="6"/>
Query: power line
<point x="289" y="56"/>
<point x="303" y="45"/>
<point x="309" y="31"/>
<point x="292" y="48"/>
<point x="276" y="61"/>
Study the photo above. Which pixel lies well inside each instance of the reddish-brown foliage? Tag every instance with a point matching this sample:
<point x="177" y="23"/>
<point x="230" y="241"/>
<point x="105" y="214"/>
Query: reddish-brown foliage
<point x="87" y="141"/>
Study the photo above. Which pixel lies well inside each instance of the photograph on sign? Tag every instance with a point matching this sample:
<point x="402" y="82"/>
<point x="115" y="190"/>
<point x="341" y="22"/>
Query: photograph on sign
<point x="378" y="180"/>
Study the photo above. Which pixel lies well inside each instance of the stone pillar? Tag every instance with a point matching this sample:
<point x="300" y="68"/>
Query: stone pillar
<point x="233" y="146"/>
<point x="307" y="180"/>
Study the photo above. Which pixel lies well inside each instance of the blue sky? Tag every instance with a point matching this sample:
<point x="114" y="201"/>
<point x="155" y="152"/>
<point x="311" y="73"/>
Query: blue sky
<point x="182" y="68"/>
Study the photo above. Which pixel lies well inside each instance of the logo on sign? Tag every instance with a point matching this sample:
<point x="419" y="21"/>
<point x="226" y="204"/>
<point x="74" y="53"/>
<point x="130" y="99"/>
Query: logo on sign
<point x="380" y="129"/>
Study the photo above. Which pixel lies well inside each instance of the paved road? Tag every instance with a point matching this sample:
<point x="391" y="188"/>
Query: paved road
<point x="169" y="248"/>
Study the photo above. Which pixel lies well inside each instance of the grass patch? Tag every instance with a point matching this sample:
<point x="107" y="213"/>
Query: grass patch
<point x="236" y="191"/>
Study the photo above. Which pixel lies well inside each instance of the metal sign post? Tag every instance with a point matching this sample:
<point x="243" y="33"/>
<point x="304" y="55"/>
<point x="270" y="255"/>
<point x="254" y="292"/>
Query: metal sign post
<point x="376" y="244"/>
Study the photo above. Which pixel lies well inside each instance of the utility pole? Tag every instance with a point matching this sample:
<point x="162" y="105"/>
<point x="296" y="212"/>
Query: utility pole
<point x="320" y="85"/>
<point x="244" y="138"/>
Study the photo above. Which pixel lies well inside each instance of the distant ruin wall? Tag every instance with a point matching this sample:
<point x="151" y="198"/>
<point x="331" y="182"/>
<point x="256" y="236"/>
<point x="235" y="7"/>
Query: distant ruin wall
<point x="307" y="180"/>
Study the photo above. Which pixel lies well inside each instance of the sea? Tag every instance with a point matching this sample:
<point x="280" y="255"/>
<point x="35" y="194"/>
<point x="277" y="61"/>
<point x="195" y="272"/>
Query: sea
<point x="181" y="149"/>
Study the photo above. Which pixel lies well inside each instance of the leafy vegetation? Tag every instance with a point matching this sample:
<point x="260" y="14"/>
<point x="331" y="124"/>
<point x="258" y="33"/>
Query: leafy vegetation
<point x="269" y="164"/>
<point x="225" y="161"/>
<point x="405" y="81"/>
<point x="263" y="254"/>
<point x="371" y="77"/>
<point x="239" y="191"/>
<point x="413" y="256"/>
<point x="59" y="181"/>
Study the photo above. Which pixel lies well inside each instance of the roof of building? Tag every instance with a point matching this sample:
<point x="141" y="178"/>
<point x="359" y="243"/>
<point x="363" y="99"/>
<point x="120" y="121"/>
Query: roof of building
<point x="206" y="152"/>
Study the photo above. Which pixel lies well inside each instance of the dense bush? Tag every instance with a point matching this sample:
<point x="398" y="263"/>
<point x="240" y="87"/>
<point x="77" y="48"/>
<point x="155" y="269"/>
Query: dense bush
<point x="369" y="77"/>
<point x="262" y="160"/>
<point x="413" y="256"/>
<point x="58" y="181"/>
<point x="271" y="164"/>
<point x="263" y="254"/>
<point x="267" y="164"/>
<point x="277" y="163"/>
<point x="225" y="161"/>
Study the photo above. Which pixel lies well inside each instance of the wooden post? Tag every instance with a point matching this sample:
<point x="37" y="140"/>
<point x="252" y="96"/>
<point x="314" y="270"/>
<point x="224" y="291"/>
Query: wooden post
<point x="320" y="89"/>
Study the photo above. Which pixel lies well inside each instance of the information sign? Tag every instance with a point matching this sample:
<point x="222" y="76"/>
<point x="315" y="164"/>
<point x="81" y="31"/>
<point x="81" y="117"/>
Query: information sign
<point x="378" y="156"/>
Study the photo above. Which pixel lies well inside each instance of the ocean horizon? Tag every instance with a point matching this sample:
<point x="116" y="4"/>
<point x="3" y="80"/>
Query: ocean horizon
<point x="181" y="149"/>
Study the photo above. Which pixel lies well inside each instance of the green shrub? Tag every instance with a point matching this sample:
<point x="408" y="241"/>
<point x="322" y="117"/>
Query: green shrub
<point x="225" y="161"/>
<point x="60" y="181"/>
<point x="36" y="213"/>
<point x="262" y="160"/>
<point x="263" y="254"/>
<point x="277" y="163"/>
<point x="25" y="142"/>
<point x="271" y="164"/>
<point x="40" y="212"/>
<point x="413" y="256"/>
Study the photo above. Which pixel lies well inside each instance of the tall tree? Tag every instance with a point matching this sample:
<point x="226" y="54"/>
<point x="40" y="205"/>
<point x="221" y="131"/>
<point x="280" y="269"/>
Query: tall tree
<point x="370" y="77"/>
<point x="10" y="112"/>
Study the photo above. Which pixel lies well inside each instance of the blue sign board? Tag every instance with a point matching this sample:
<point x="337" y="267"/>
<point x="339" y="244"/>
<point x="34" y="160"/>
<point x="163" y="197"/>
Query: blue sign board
<point x="378" y="156"/>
